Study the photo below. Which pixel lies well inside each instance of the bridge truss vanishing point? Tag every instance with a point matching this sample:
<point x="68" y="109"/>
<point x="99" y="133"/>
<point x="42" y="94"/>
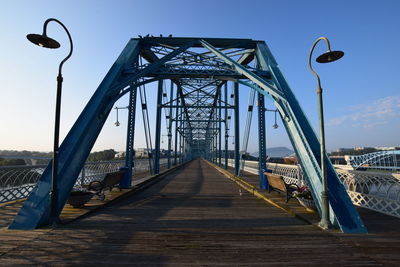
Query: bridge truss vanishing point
<point x="200" y="70"/>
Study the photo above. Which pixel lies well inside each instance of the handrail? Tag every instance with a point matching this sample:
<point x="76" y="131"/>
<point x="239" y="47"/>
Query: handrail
<point x="16" y="182"/>
<point x="373" y="190"/>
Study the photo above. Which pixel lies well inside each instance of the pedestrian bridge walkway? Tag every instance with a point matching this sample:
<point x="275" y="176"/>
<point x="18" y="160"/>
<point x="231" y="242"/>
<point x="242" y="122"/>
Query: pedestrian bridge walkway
<point x="196" y="216"/>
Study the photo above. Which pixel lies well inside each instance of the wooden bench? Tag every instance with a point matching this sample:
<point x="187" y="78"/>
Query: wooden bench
<point x="110" y="181"/>
<point x="277" y="183"/>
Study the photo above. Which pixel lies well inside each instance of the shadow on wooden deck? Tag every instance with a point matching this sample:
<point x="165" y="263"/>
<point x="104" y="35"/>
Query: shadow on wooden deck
<point x="194" y="216"/>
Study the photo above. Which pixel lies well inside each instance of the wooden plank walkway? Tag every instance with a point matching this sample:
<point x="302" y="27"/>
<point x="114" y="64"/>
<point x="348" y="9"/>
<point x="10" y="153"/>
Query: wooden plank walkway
<point x="192" y="217"/>
<point x="10" y="209"/>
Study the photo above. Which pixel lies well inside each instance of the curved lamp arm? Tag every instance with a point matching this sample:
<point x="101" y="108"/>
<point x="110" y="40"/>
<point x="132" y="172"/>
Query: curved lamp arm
<point x="309" y="58"/>
<point x="69" y="36"/>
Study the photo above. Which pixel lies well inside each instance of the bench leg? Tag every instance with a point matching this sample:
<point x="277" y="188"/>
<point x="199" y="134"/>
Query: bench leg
<point x="101" y="195"/>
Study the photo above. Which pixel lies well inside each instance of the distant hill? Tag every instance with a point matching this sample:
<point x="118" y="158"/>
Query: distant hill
<point x="276" y="152"/>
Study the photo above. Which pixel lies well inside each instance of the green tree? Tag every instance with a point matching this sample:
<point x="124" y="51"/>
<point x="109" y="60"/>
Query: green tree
<point x="104" y="155"/>
<point x="11" y="162"/>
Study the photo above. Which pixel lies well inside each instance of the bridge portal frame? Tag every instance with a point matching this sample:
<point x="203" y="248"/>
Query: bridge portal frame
<point x="178" y="59"/>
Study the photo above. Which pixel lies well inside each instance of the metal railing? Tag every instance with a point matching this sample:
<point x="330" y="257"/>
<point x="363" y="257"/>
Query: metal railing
<point x="16" y="182"/>
<point x="372" y="190"/>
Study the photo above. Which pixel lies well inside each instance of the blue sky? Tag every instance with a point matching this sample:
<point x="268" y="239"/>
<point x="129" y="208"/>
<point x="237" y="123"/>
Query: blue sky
<point x="361" y="91"/>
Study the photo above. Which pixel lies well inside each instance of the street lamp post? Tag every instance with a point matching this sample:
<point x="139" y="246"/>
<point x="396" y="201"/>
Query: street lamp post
<point x="117" y="123"/>
<point x="327" y="57"/>
<point x="44" y="41"/>
<point x="275" y="126"/>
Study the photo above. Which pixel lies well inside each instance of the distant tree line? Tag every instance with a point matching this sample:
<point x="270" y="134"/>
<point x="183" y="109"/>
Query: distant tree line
<point x="104" y="155"/>
<point x="40" y="157"/>
<point x="10" y="162"/>
<point x="26" y="153"/>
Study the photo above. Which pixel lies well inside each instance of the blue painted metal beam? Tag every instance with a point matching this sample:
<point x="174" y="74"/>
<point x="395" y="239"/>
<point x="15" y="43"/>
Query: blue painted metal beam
<point x="244" y="71"/>
<point x="81" y="138"/>
<point x="302" y="137"/>
<point x="307" y="147"/>
<point x="262" y="155"/>
<point x="171" y="97"/>
<point x="226" y="126"/>
<point x="176" y="129"/>
<point x="219" y="127"/>
<point x="126" y="182"/>
<point x="236" y="111"/>
<point x="158" y="128"/>
<point x="127" y="80"/>
<point x="75" y="148"/>
<point x="77" y="145"/>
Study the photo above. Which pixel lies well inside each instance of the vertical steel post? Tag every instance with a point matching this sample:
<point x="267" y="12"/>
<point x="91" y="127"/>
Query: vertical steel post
<point x="226" y="125"/>
<point x="214" y="154"/>
<point x="181" y="140"/>
<point x="176" y="128"/>
<point x="236" y="110"/>
<point x="54" y="182"/>
<point x="158" y="128"/>
<point x="325" y="222"/>
<point x="180" y="134"/>
<point x="126" y="182"/>
<point x="184" y="138"/>
<point x="262" y="142"/>
<point x="170" y="126"/>
<point x="219" y="127"/>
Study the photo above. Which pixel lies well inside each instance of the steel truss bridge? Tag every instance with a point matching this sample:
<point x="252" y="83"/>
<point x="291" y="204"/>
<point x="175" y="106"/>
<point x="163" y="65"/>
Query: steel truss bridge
<point x="200" y="100"/>
<point x="381" y="160"/>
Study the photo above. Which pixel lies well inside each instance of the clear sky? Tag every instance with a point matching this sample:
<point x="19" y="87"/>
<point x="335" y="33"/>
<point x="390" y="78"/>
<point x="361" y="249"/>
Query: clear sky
<point x="361" y="91"/>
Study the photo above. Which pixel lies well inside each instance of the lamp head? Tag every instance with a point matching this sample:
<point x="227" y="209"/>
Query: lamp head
<point x="275" y="126"/>
<point x="330" y="56"/>
<point x="117" y="123"/>
<point x="43" y="40"/>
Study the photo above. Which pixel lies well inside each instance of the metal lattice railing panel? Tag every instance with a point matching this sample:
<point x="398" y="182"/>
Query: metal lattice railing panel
<point x="384" y="185"/>
<point x="16" y="182"/>
<point x="292" y="174"/>
<point x="376" y="191"/>
<point x="97" y="170"/>
<point x="13" y="176"/>
<point x="379" y="204"/>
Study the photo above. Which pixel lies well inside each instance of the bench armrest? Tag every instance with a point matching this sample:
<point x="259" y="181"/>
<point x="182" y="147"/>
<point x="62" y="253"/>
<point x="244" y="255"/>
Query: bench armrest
<point x="95" y="186"/>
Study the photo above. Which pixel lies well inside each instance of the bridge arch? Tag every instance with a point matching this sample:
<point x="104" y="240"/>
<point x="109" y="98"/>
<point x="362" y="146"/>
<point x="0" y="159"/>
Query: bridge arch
<point x="389" y="160"/>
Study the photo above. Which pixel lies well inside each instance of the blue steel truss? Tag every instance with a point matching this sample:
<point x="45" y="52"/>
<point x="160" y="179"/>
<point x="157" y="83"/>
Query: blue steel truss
<point x="200" y="69"/>
<point x="381" y="160"/>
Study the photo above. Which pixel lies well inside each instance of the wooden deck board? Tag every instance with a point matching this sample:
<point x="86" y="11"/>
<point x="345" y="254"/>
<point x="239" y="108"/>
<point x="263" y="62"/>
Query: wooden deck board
<point x="193" y="217"/>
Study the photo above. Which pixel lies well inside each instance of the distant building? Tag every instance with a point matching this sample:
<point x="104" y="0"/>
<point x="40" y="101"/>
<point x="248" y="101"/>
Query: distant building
<point x="120" y="154"/>
<point x="387" y="148"/>
<point x="138" y="152"/>
<point x="141" y="153"/>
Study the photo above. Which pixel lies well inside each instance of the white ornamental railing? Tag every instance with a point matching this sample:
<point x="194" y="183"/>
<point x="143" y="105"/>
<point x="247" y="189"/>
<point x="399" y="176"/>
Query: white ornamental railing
<point x="377" y="191"/>
<point x="16" y="182"/>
